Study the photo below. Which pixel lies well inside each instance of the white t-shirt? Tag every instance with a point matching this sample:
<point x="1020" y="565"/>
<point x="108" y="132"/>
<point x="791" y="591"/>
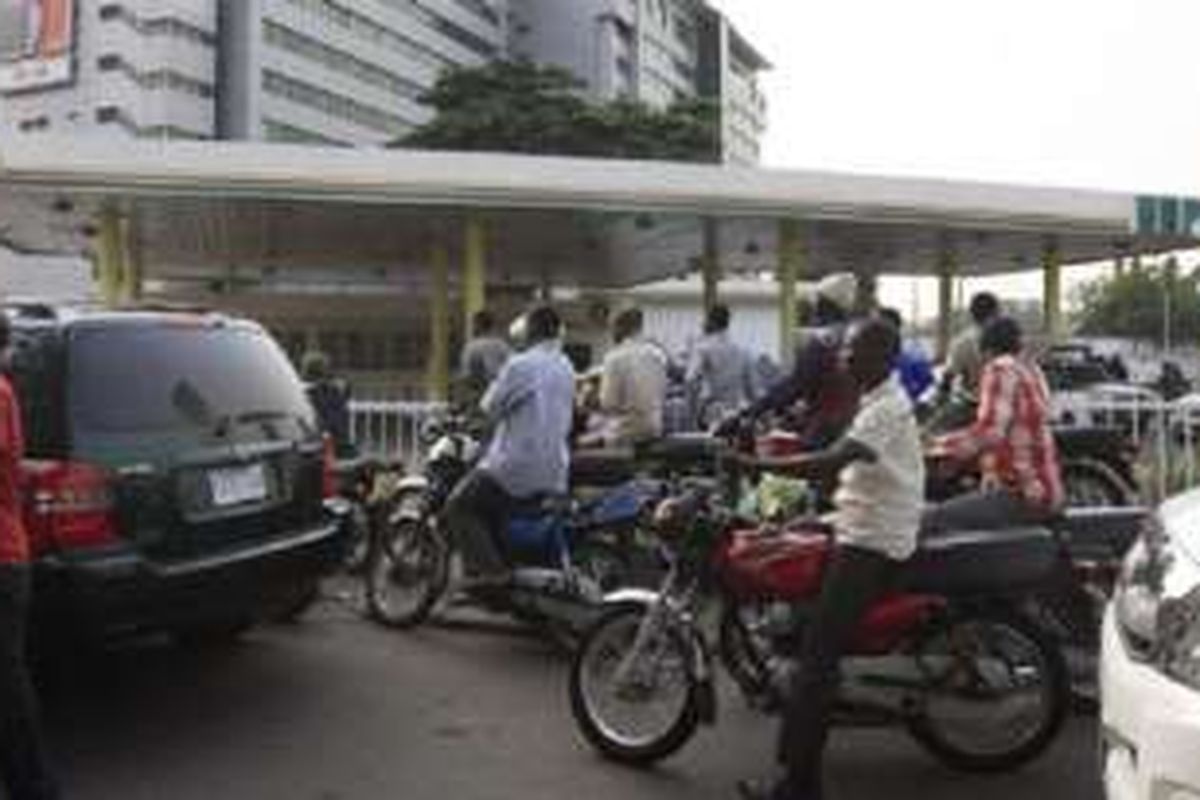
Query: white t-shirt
<point x="633" y="388"/>
<point x="878" y="504"/>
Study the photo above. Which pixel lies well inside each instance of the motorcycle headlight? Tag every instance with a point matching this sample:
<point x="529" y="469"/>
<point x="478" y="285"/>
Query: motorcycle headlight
<point x="1157" y="607"/>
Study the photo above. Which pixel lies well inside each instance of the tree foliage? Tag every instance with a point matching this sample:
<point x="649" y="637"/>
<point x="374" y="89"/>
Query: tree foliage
<point x="1133" y="304"/>
<point x="522" y="107"/>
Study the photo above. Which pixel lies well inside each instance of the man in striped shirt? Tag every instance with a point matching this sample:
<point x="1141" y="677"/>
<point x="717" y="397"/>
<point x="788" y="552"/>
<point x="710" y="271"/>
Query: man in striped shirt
<point x="1011" y="438"/>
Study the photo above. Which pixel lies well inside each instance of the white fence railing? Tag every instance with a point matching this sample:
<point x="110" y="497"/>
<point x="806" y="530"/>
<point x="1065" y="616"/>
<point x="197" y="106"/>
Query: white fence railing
<point x="1166" y="434"/>
<point x="391" y="429"/>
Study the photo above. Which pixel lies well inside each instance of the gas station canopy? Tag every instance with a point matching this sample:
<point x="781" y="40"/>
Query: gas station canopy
<point x="196" y="207"/>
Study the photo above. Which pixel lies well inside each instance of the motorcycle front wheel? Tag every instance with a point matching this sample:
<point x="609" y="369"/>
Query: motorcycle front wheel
<point x="634" y="705"/>
<point x="995" y="693"/>
<point x="407" y="572"/>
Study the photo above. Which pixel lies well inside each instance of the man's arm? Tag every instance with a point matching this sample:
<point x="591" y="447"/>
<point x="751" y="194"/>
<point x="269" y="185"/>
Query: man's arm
<point x="821" y="464"/>
<point x="511" y="388"/>
<point x="611" y="379"/>
<point x="997" y="407"/>
<point x="805" y="372"/>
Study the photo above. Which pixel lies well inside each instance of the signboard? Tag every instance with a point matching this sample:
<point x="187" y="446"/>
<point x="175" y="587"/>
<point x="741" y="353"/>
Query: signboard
<point x="1168" y="216"/>
<point x="37" y="44"/>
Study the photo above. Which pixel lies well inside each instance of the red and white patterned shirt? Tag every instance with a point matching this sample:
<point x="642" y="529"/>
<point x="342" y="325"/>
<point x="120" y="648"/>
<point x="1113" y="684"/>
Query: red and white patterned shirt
<point x="1011" y="433"/>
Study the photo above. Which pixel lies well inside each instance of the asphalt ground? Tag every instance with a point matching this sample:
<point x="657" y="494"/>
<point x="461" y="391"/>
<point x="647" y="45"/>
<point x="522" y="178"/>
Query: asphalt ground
<point x="335" y="708"/>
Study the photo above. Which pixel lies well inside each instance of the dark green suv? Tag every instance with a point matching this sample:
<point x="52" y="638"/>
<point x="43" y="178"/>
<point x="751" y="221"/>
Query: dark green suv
<point x="175" y="478"/>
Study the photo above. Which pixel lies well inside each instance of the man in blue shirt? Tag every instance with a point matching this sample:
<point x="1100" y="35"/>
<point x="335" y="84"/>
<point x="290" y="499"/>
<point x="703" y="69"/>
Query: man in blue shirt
<point x="914" y="368"/>
<point x="530" y="406"/>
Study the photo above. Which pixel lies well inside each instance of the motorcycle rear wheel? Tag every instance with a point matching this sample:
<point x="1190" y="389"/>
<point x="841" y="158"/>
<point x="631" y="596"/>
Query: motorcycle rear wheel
<point x="407" y="572"/>
<point x="593" y="686"/>
<point x="1090" y="483"/>
<point x="966" y="659"/>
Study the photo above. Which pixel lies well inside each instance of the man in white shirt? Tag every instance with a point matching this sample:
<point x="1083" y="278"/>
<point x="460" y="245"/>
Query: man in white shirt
<point x="877" y="510"/>
<point x="633" y="384"/>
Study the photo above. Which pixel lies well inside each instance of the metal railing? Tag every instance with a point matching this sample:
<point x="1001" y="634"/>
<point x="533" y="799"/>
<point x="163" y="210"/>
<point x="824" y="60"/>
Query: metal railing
<point x="1164" y="432"/>
<point x="391" y="429"/>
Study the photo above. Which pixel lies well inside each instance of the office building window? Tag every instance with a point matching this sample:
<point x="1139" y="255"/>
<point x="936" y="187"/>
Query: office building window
<point x="277" y="131"/>
<point x="368" y="29"/>
<point x="450" y="30"/>
<point x="334" y="105"/>
<point x="156" y="79"/>
<point x="158" y="26"/>
<point x="339" y="61"/>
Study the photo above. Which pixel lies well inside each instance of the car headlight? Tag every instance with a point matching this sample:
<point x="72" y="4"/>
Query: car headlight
<point x="1157" y="607"/>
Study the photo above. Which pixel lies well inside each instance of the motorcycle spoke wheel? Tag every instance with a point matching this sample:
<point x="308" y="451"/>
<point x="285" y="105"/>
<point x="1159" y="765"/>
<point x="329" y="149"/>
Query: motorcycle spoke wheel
<point x="635" y="707"/>
<point x="996" y="693"/>
<point x="406" y="574"/>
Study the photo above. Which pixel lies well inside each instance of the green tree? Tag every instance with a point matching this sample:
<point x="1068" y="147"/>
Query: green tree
<point x="522" y="107"/>
<point x="1134" y="304"/>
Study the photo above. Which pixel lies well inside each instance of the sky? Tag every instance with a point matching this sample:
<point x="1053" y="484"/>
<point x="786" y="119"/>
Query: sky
<point x="1074" y="93"/>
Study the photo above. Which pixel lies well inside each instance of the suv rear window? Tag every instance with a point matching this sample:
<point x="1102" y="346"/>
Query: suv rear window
<point x="167" y="382"/>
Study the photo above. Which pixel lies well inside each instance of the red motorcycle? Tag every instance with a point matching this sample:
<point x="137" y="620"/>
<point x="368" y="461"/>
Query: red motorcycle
<point x="949" y="655"/>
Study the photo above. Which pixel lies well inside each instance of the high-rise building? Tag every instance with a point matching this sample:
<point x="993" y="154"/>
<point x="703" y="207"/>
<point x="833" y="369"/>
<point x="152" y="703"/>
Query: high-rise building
<point x="344" y="71"/>
<point x="144" y="68"/>
<point x="655" y="51"/>
<point x="347" y="72"/>
<point x="319" y="71"/>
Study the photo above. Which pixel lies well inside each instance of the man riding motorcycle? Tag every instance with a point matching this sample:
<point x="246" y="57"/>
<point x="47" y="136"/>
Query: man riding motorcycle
<point x="877" y="510"/>
<point x="828" y="394"/>
<point x="1011" y="438"/>
<point x="530" y="405"/>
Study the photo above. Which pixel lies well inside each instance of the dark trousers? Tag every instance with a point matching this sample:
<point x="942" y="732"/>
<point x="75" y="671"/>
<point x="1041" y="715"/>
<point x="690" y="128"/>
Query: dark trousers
<point x="478" y="512"/>
<point x="24" y="766"/>
<point x="855" y="579"/>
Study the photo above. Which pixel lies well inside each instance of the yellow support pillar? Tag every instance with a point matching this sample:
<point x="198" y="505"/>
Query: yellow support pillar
<point x="789" y="270"/>
<point x="1052" y="291"/>
<point x="710" y="263"/>
<point x="474" y="272"/>
<point x="131" y="262"/>
<point x="947" y="266"/>
<point x="108" y="256"/>
<point x="438" y="381"/>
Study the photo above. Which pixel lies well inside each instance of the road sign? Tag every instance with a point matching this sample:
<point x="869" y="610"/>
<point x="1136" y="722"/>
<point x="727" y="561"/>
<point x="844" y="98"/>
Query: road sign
<point x="1168" y="216"/>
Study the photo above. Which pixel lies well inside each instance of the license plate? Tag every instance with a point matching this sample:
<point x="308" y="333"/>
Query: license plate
<point x="236" y="485"/>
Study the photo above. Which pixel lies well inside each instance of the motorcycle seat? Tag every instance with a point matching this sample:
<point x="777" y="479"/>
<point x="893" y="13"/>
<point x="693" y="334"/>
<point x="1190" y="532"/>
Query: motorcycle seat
<point x="983" y="561"/>
<point x="1101" y="534"/>
<point x="684" y="449"/>
<point x="600" y="468"/>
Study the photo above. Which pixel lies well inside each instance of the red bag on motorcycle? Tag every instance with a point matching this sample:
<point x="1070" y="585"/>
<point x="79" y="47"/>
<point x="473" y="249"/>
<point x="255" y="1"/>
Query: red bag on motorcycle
<point x="785" y="566"/>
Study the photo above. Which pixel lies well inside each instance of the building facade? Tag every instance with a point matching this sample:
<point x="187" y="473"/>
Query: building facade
<point x="348" y="72"/>
<point x="654" y="51"/>
<point x="344" y="72"/>
<point x="340" y="72"/>
<point x="143" y="68"/>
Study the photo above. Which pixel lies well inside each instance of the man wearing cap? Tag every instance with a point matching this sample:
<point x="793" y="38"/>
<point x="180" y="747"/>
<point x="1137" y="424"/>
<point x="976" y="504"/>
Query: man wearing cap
<point x="817" y="379"/>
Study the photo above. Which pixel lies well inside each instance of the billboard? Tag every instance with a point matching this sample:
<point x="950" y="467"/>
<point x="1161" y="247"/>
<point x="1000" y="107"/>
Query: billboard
<point x="37" y="44"/>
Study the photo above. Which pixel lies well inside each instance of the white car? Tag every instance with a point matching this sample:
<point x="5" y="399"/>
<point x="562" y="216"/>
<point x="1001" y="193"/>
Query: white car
<point x="1150" y="663"/>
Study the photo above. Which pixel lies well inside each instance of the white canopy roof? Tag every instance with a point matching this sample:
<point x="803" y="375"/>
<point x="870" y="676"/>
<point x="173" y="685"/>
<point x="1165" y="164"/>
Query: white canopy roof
<point x="199" y="207"/>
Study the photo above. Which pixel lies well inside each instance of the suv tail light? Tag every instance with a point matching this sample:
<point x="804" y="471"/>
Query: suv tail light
<point x="329" y="480"/>
<point x="69" y="505"/>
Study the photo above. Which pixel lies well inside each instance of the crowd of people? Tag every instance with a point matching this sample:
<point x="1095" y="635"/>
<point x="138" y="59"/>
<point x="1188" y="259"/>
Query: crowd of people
<point x="850" y="397"/>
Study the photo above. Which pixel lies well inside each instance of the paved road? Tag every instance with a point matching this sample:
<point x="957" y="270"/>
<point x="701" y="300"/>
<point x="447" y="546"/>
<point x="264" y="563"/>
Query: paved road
<point x="335" y="709"/>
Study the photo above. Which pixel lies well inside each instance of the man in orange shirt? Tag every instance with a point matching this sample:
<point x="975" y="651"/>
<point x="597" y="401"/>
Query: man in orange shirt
<point x="24" y="767"/>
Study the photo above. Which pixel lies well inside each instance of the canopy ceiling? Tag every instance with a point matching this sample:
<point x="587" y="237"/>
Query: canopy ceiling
<point x="203" y="208"/>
